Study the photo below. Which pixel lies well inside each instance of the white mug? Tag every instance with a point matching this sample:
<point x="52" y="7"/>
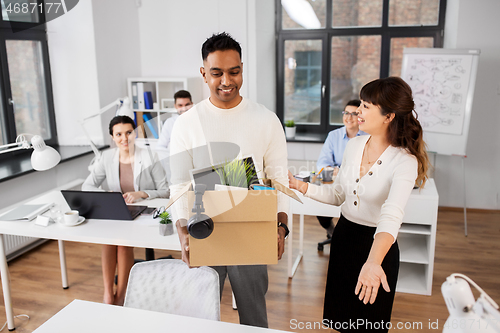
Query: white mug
<point x="71" y="217"/>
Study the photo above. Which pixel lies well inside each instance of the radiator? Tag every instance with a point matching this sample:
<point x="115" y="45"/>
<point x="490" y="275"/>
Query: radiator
<point x="17" y="245"/>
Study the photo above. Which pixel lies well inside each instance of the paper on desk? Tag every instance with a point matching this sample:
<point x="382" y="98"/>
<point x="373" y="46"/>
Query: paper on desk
<point x="26" y="212"/>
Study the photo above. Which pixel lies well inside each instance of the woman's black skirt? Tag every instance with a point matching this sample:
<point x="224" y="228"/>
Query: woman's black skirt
<point x="343" y="311"/>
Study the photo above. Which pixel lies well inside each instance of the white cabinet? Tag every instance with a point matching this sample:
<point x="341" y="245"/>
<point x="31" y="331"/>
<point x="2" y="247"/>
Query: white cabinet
<point x="162" y="93"/>
<point x="417" y="241"/>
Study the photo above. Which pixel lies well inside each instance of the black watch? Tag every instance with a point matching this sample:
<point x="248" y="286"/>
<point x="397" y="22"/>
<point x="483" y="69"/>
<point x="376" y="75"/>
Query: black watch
<point x="284" y="226"/>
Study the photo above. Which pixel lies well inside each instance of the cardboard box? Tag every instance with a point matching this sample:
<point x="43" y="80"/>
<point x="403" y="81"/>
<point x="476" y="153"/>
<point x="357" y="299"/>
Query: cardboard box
<point x="245" y="227"/>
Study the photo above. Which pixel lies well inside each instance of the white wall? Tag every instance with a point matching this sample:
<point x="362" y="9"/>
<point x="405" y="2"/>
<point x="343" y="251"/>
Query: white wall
<point x="116" y="34"/>
<point x="470" y="25"/>
<point x="73" y="67"/>
<point x="93" y="49"/>
<point x="265" y="51"/>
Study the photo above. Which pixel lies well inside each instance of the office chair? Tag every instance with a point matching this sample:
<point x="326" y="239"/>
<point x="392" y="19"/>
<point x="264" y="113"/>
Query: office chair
<point x="170" y="286"/>
<point x="327" y="223"/>
<point x="323" y="243"/>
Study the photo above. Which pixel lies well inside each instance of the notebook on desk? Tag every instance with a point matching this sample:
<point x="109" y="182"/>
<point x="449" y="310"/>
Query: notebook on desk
<point x="101" y="205"/>
<point x="25" y="212"/>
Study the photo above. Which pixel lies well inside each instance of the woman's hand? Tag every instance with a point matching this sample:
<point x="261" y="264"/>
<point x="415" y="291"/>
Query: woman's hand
<point x="369" y="280"/>
<point x="131" y="197"/>
<point x="296" y="184"/>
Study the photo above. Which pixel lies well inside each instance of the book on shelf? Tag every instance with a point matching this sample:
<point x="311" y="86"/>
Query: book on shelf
<point x="140" y="95"/>
<point x="148" y="100"/>
<point x="135" y="98"/>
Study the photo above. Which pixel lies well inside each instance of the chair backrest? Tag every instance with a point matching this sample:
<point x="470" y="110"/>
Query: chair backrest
<point x="170" y="286"/>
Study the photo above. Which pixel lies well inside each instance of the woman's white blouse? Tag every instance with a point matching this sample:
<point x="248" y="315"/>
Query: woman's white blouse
<point x="377" y="199"/>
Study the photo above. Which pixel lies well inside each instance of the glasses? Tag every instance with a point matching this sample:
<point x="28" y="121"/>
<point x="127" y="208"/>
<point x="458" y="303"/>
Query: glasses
<point x="158" y="211"/>
<point x="347" y="114"/>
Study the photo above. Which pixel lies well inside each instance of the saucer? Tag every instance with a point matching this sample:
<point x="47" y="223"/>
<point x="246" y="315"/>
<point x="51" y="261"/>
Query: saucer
<point x="81" y="219"/>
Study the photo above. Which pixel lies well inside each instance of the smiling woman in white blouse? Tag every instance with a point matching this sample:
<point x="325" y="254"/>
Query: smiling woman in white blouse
<point x="375" y="181"/>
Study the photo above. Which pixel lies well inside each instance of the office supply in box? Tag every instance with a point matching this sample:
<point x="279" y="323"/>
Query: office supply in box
<point x="245" y="226"/>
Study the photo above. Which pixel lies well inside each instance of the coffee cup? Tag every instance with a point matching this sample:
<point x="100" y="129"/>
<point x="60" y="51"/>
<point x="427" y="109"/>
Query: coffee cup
<point x="71" y="217"/>
<point x="327" y="174"/>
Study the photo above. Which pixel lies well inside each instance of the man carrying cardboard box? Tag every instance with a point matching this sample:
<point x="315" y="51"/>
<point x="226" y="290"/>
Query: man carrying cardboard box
<point x="227" y="117"/>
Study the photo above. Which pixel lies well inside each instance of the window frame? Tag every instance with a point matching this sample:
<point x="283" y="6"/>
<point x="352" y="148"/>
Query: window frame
<point x="27" y="31"/>
<point x="326" y="34"/>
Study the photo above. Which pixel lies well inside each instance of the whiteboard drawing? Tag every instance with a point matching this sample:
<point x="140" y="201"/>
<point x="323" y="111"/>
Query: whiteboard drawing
<point x="440" y="83"/>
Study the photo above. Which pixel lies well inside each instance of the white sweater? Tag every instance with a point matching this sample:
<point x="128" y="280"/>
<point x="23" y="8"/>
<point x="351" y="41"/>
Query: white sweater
<point x="247" y="129"/>
<point x="379" y="198"/>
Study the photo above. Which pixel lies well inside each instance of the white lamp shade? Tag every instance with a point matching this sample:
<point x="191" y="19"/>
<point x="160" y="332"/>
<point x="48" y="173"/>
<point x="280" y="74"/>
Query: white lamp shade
<point x="464" y="315"/>
<point x="125" y="109"/>
<point x="43" y="156"/>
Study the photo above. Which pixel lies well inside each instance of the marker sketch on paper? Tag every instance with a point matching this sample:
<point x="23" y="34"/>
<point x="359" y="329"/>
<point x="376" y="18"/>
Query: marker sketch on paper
<point x="440" y="84"/>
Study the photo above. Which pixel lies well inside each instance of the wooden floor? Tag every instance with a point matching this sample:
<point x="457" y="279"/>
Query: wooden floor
<point x="36" y="282"/>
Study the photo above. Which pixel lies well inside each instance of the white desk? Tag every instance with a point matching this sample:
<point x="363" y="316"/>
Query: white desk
<point x="142" y="232"/>
<point x="83" y="317"/>
<point x="308" y="207"/>
<point x="417" y="237"/>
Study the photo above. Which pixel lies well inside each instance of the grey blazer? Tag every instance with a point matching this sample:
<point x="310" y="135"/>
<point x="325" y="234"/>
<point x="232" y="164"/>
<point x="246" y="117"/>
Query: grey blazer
<point x="149" y="175"/>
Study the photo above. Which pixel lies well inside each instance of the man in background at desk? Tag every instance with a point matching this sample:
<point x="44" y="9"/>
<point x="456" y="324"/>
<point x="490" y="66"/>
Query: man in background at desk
<point x="333" y="149"/>
<point x="182" y="103"/>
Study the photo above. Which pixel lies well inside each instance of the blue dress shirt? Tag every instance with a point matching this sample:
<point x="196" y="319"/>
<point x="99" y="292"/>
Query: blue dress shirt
<point x="333" y="148"/>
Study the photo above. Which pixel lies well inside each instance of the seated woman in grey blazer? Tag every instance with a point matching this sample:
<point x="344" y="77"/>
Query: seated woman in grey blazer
<point x="136" y="173"/>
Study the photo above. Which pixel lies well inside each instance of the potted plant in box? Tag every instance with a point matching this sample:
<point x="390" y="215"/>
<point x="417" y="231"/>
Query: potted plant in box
<point x="237" y="173"/>
<point x="166" y="225"/>
<point x="290" y="129"/>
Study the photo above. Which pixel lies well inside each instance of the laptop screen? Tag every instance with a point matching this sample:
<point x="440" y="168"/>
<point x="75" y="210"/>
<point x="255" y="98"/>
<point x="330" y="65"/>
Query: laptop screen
<point x="101" y="205"/>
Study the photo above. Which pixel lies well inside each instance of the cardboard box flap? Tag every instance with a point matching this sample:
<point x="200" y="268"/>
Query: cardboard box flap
<point x="282" y="188"/>
<point x="178" y="195"/>
<point x="238" y="206"/>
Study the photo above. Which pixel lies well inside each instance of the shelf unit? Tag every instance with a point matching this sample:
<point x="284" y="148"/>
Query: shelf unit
<point x="417" y="241"/>
<point x="162" y="91"/>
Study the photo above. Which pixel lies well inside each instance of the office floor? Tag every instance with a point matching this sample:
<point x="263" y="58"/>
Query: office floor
<point x="36" y="282"/>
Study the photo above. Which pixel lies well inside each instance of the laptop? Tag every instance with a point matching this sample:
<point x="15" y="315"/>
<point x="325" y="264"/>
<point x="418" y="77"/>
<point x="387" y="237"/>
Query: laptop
<point x="101" y="205"/>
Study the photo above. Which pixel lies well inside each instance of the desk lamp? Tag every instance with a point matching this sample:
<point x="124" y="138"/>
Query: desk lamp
<point x="123" y="109"/>
<point x="43" y="157"/>
<point x="467" y="315"/>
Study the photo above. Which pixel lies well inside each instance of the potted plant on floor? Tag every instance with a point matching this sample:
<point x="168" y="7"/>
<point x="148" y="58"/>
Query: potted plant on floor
<point x="166" y="225"/>
<point x="290" y="129"/>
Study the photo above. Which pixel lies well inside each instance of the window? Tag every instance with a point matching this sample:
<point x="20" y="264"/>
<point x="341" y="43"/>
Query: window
<point x="26" y="104"/>
<point x="328" y="49"/>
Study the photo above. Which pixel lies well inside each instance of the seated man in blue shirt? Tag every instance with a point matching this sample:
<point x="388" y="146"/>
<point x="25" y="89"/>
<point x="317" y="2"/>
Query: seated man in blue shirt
<point x="182" y="103"/>
<point x="334" y="146"/>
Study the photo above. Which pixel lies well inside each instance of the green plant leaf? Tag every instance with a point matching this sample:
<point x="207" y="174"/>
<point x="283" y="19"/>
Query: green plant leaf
<point x="238" y="173"/>
<point x="165" y="218"/>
